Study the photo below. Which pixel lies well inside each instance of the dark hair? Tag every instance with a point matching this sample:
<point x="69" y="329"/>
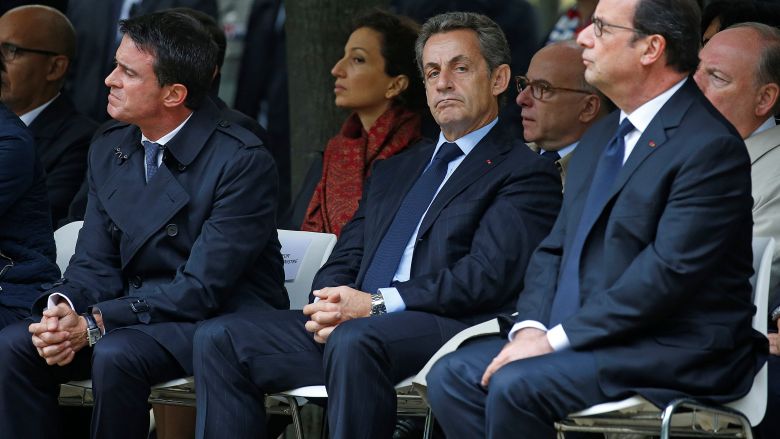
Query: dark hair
<point x="730" y="12"/>
<point x="768" y="68"/>
<point x="678" y="21"/>
<point x="398" y="34"/>
<point x="210" y="25"/>
<point x="184" y="52"/>
<point x="492" y="42"/>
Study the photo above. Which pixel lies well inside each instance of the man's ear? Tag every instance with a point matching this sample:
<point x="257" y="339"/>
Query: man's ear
<point x="655" y="49"/>
<point x="57" y="68"/>
<point x="176" y="95"/>
<point x="591" y="107"/>
<point x="766" y="99"/>
<point x="500" y="79"/>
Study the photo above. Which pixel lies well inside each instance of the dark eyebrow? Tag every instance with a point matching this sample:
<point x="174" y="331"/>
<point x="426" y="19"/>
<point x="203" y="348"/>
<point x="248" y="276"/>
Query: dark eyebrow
<point x="459" y="58"/>
<point x="125" y="67"/>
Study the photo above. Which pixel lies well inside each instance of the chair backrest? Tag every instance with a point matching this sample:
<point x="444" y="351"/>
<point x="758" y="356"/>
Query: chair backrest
<point x="65" y="238"/>
<point x="319" y="246"/>
<point x="753" y="405"/>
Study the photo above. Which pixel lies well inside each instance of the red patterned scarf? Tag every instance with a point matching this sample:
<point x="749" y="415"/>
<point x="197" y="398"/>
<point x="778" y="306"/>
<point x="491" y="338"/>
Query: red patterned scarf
<point x="347" y="161"/>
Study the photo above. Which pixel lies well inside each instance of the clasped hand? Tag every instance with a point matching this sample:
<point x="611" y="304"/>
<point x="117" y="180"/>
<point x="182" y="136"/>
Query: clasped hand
<point x="59" y="335"/>
<point x="527" y="343"/>
<point x="336" y="305"/>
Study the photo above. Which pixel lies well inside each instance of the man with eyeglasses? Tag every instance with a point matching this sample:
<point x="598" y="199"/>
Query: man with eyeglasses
<point x="27" y="252"/>
<point x="642" y="287"/>
<point x="558" y="106"/>
<point x="38" y="44"/>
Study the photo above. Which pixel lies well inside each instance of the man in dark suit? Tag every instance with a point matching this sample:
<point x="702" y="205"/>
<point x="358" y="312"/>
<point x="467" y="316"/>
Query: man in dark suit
<point x="97" y="37"/>
<point x="643" y="284"/>
<point x="179" y="228"/>
<point x="44" y="44"/>
<point x="440" y="241"/>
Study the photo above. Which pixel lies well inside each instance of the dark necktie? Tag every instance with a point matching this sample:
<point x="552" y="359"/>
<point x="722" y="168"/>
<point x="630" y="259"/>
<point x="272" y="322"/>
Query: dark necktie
<point x="388" y="254"/>
<point x="567" y="295"/>
<point x="151" y="150"/>
<point x="552" y="155"/>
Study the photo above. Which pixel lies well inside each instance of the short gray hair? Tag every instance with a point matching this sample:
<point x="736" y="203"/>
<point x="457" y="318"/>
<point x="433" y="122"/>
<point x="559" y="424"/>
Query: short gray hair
<point x="492" y="42"/>
<point x="768" y="69"/>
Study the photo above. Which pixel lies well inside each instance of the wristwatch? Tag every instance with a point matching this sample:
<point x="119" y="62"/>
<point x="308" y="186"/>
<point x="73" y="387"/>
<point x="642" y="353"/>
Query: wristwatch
<point x="93" y="331"/>
<point x="377" y="304"/>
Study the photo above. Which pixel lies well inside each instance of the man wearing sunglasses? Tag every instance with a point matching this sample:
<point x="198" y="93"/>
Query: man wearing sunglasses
<point x="38" y="44"/>
<point x="558" y="106"/>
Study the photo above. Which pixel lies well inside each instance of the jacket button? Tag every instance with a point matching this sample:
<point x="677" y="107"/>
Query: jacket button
<point x="136" y="282"/>
<point x="172" y="230"/>
<point x="181" y="167"/>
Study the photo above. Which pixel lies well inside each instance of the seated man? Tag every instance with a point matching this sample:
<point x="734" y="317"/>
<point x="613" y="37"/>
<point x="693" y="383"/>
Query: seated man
<point x="440" y="241"/>
<point x="179" y="228"/>
<point x="739" y="73"/>
<point x="27" y="252"/>
<point x="642" y="287"/>
<point x="39" y="43"/>
<point x="558" y="106"/>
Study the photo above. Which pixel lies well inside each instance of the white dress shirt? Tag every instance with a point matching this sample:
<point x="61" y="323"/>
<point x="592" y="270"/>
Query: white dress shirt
<point x="393" y="300"/>
<point x="30" y="116"/>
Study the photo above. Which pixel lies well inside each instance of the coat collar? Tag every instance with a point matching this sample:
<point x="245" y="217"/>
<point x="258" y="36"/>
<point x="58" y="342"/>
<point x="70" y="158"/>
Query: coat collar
<point x="763" y="142"/>
<point x="187" y="144"/>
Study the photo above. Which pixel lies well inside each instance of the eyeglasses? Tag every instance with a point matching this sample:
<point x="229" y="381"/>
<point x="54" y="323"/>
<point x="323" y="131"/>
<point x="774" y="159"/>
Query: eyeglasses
<point x="599" y="24"/>
<point x="9" y="51"/>
<point x="541" y="88"/>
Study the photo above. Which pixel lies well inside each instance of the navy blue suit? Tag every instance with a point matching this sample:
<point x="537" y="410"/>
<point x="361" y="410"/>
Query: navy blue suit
<point x="27" y="252"/>
<point x="469" y="258"/>
<point x="665" y="301"/>
<point x="196" y="241"/>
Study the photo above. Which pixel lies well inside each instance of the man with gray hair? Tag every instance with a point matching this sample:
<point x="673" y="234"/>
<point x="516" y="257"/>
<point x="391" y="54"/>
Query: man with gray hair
<point x="440" y="241"/>
<point x="739" y="73"/>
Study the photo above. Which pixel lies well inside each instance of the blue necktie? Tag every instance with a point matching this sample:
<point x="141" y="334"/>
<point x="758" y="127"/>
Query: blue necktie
<point x="388" y="254"/>
<point x="567" y="295"/>
<point x="552" y="155"/>
<point x="151" y="150"/>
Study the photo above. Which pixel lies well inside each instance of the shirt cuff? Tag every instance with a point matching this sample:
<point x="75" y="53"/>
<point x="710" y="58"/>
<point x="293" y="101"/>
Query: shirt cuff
<point x="393" y="300"/>
<point x="526" y="324"/>
<point x="558" y="338"/>
<point x="54" y="299"/>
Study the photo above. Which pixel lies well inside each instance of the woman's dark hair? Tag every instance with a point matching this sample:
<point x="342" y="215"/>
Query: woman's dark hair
<point x="398" y="34"/>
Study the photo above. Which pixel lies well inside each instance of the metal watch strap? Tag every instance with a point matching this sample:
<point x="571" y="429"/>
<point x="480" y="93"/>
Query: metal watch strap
<point x="378" y="304"/>
<point x="775" y="314"/>
<point x="93" y="331"/>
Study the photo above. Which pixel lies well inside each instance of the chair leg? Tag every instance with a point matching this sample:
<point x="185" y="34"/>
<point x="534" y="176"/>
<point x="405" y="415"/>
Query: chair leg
<point x="295" y="412"/>
<point x="428" y="432"/>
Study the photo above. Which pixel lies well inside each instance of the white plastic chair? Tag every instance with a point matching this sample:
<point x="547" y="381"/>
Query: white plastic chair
<point x="317" y="249"/>
<point x="65" y="238"/>
<point x="638" y="416"/>
<point x="181" y="391"/>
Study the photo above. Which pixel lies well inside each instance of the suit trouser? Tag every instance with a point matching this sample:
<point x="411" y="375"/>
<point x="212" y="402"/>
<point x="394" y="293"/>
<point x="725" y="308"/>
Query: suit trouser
<point x="770" y="425"/>
<point x="241" y="357"/>
<point x="123" y="366"/>
<point x="10" y="315"/>
<point x="523" y="399"/>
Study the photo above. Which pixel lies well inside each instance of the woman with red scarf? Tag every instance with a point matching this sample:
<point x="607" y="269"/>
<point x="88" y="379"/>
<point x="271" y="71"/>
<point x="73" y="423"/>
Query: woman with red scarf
<point x="377" y="79"/>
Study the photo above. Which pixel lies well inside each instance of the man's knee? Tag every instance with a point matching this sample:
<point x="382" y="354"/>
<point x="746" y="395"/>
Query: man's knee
<point x="442" y="378"/>
<point x="351" y="338"/>
<point x="518" y="388"/>
<point x="210" y="336"/>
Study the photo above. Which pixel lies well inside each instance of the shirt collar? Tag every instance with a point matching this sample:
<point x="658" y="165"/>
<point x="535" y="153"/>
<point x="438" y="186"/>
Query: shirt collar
<point x="642" y="116"/>
<point x="167" y="138"/>
<point x="769" y="123"/>
<point x="30" y="116"/>
<point x="469" y="141"/>
<point x="563" y="152"/>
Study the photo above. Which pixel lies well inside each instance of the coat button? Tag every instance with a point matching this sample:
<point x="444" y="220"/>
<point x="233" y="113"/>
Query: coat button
<point x="181" y="167"/>
<point x="172" y="230"/>
<point x="136" y="282"/>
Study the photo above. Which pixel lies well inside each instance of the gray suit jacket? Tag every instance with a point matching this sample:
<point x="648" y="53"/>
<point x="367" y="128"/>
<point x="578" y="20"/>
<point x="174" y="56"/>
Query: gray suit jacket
<point x="764" y="150"/>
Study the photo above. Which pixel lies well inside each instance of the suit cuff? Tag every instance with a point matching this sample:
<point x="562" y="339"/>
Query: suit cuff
<point x="558" y="338"/>
<point x="525" y="324"/>
<point x="55" y="298"/>
<point x="393" y="300"/>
